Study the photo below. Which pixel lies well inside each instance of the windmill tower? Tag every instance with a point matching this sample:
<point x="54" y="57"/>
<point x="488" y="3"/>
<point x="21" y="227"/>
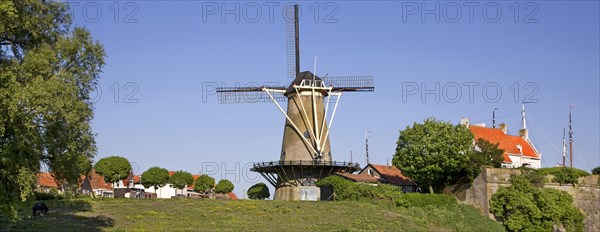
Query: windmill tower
<point x="305" y="152"/>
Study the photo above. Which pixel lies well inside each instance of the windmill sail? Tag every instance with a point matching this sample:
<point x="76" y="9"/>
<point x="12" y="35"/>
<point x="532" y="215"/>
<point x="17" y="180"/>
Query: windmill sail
<point x="233" y="95"/>
<point x="351" y="83"/>
<point x="292" y="41"/>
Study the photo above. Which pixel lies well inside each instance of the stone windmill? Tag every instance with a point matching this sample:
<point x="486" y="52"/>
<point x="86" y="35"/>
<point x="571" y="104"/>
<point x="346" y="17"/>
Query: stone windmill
<point x="305" y="153"/>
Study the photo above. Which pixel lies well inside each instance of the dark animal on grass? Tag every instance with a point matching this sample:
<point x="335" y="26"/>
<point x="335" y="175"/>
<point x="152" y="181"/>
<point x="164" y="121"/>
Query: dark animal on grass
<point x="40" y="207"/>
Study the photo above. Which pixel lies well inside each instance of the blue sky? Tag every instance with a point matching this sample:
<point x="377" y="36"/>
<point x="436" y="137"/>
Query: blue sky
<point x="166" y="55"/>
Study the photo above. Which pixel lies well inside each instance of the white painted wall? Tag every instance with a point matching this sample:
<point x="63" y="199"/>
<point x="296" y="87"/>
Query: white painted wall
<point x="164" y="192"/>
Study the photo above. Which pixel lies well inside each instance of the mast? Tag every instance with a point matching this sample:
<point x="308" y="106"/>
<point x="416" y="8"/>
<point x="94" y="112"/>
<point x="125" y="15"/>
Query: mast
<point x="297" y="40"/>
<point x="367" y="145"/>
<point x="523" y="117"/>
<point x="564" y="150"/>
<point x="494" y="118"/>
<point x="570" y="138"/>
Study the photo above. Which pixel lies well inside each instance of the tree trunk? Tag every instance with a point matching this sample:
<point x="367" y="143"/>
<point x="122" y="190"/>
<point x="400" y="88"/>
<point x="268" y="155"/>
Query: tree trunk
<point x="431" y="189"/>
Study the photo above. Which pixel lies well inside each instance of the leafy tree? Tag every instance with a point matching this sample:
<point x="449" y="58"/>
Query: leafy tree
<point x="48" y="68"/>
<point x="224" y="186"/>
<point x="484" y="153"/>
<point x="181" y="179"/>
<point x="523" y="207"/>
<point x="204" y="184"/>
<point x="113" y="168"/>
<point x="434" y="153"/>
<point x="596" y="171"/>
<point x="259" y="191"/>
<point x="155" y="176"/>
<point x="489" y="153"/>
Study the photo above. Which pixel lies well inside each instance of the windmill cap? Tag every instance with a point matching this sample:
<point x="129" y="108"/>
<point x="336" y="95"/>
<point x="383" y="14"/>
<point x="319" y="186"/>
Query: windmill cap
<point x="306" y="75"/>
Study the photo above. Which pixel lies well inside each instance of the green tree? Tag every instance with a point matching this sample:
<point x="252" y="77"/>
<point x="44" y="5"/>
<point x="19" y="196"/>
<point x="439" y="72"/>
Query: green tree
<point x="259" y="191"/>
<point x="596" y="171"/>
<point x="523" y="207"/>
<point x="434" y="153"/>
<point x="491" y="154"/>
<point x="155" y="176"/>
<point x="113" y="168"/>
<point x="224" y="186"/>
<point x="48" y="68"/>
<point x="181" y="179"/>
<point x="484" y="153"/>
<point x="204" y="184"/>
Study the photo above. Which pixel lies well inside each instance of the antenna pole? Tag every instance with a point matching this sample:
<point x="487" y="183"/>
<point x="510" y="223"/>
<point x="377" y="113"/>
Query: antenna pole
<point x="367" y="146"/>
<point x="494" y="118"/>
<point x="523" y="117"/>
<point x="297" y="40"/>
<point x="570" y="138"/>
<point x="564" y="151"/>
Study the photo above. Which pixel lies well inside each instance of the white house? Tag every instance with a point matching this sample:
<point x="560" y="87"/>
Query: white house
<point x="518" y="149"/>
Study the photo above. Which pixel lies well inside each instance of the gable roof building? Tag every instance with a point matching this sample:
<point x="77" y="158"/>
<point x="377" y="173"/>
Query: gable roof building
<point x="384" y="174"/>
<point x="518" y="149"/>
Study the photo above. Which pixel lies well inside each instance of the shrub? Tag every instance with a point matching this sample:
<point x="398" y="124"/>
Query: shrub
<point x="596" y="171"/>
<point x="348" y="190"/>
<point x="42" y="196"/>
<point x="259" y="191"/>
<point x="423" y="200"/>
<point x="564" y="175"/>
<point x="342" y="188"/>
<point x="523" y="207"/>
<point x="534" y="176"/>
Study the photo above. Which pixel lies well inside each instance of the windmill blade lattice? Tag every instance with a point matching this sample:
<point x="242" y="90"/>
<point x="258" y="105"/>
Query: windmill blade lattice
<point x="234" y="95"/>
<point x="291" y="42"/>
<point x="351" y="83"/>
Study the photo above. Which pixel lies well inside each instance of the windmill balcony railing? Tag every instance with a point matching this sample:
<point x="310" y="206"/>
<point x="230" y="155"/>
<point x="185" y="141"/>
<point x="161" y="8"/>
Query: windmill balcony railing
<point x="303" y="163"/>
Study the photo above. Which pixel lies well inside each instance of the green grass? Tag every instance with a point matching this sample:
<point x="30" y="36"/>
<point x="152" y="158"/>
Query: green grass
<point x="204" y="214"/>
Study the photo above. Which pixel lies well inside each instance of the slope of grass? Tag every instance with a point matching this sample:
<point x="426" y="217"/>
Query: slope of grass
<point x="204" y="214"/>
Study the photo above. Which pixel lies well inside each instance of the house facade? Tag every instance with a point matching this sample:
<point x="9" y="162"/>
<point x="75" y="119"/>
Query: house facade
<point x="130" y="187"/>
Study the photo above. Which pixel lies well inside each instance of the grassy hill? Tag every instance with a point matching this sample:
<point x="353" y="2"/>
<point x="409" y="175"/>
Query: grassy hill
<point x="204" y="214"/>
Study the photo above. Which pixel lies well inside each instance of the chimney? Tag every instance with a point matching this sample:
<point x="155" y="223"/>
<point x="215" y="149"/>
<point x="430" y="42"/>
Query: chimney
<point x="464" y="122"/>
<point x="524" y="134"/>
<point x="503" y="127"/>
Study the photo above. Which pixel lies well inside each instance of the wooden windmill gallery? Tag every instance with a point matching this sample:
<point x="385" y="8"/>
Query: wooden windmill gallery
<point x="311" y="105"/>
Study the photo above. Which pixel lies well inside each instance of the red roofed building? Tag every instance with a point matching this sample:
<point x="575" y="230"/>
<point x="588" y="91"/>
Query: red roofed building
<point x="518" y="149"/>
<point x="385" y="174"/>
<point x="45" y="182"/>
<point x="94" y="182"/>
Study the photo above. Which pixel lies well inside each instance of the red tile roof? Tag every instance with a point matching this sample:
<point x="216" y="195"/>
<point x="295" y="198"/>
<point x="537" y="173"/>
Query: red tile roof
<point x="97" y="181"/>
<point x="506" y="142"/>
<point x="392" y="174"/>
<point x="232" y="196"/>
<point x="360" y="178"/>
<point x="46" y="179"/>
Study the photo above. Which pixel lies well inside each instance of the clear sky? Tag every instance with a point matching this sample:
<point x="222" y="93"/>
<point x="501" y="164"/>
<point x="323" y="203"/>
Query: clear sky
<point x="165" y="57"/>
